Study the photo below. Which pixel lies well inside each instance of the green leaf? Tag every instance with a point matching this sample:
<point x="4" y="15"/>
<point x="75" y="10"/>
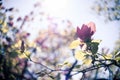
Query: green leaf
<point x="93" y="47"/>
<point x="78" y="66"/>
<point x="117" y="54"/>
<point x="118" y="60"/>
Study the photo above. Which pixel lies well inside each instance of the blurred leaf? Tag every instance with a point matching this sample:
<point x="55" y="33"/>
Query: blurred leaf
<point x="4" y="24"/>
<point x="117" y="59"/>
<point x="10" y="23"/>
<point x="19" y="19"/>
<point x="10" y="9"/>
<point x="18" y="52"/>
<point x="5" y="29"/>
<point x="51" y="77"/>
<point x="93" y="47"/>
<point x="67" y="63"/>
<point x="108" y="56"/>
<point x="13" y="54"/>
<point x="10" y="17"/>
<point x="108" y="9"/>
<point x="26" y="54"/>
<point x="87" y="61"/>
<point x="31" y="44"/>
<point x="78" y="66"/>
<point x="1" y="21"/>
<point x="96" y="41"/>
<point x="80" y="55"/>
<point x="17" y="45"/>
<point x="117" y="54"/>
<point x="74" y="44"/>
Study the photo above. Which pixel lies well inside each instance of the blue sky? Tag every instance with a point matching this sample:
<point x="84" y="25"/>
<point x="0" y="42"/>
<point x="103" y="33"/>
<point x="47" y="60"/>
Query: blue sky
<point x="77" y="11"/>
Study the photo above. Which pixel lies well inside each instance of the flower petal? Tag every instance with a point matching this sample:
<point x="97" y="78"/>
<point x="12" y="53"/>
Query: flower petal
<point x="85" y="32"/>
<point x="92" y="26"/>
<point x="78" y="31"/>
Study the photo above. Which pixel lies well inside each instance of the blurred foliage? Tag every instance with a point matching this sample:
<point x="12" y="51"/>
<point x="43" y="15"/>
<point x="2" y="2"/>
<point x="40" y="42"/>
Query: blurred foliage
<point x="18" y="54"/>
<point x="117" y="44"/>
<point x="13" y="63"/>
<point x="110" y="9"/>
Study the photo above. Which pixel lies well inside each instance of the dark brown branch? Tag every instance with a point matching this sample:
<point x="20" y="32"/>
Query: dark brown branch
<point x="68" y="75"/>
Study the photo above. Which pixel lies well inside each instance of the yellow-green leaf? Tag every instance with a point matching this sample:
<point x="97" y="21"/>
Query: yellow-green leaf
<point x="80" y="55"/>
<point x="67" y="64"/>
<point x="117" y="54"/>
<point x="96" y="41"/>
<point x="107" y="56"/>
<point x="1" y="21"/>
<point x="87" y="61"/>
<point x="4" y="29"/>
<point x="26" y="54"/>
<point x="74" y="44"/>
<point x="117" y="59"/>
<point x="18" y="44"/>
<point x="31" y="44"/>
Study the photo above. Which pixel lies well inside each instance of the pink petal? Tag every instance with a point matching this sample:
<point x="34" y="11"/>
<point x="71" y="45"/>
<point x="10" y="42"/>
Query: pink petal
<point x="85" y="32"/>
<point x="78" y="31"/>
<point x="92" y="27"/>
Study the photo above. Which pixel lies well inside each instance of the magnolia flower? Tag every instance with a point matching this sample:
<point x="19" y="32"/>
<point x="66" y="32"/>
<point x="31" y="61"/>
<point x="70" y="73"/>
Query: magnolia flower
<point x="86" y="31"/>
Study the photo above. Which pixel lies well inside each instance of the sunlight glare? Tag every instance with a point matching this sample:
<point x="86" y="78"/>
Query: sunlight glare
<point x="56" y="7"/>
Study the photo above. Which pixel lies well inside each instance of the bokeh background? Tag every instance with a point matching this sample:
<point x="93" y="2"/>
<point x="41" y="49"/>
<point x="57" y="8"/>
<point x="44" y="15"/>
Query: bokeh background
<point x="47" y="27"/>
<point x="77" y="11"/>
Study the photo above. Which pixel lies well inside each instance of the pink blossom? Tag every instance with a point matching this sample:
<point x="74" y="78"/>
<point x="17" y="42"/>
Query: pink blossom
<point x="86" y="32"/>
